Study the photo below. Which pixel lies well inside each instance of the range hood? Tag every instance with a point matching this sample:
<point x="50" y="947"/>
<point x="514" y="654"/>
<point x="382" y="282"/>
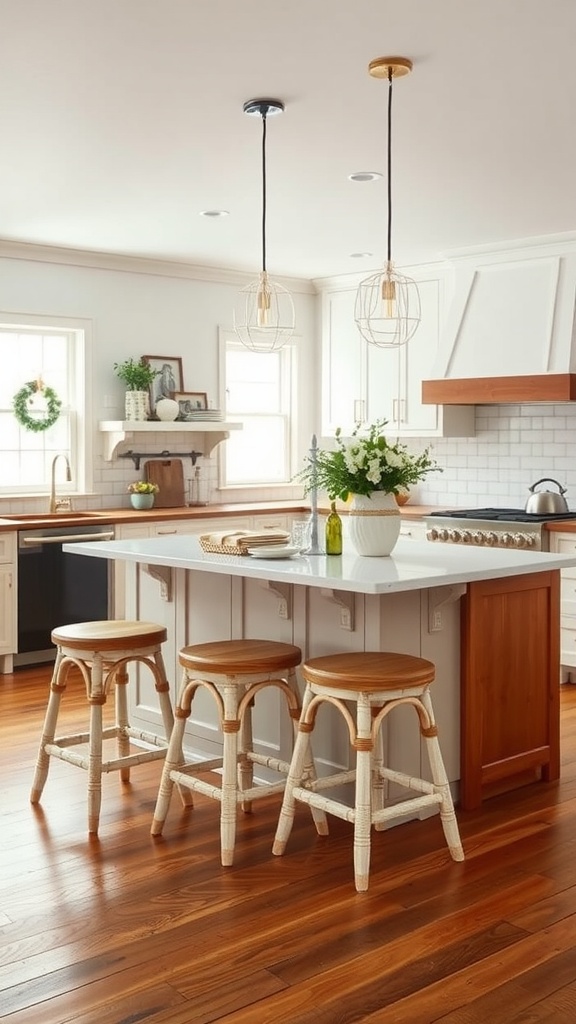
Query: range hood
<point x="509" y="335"/>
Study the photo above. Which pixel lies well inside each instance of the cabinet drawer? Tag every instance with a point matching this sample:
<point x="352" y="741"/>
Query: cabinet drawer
<point x="567" y="593"/>
<point x="568" y="644"/>
<point x="8" y="547"/>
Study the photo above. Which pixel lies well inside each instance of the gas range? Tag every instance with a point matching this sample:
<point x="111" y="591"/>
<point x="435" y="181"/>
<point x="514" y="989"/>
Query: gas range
<point x="492" y="527"/>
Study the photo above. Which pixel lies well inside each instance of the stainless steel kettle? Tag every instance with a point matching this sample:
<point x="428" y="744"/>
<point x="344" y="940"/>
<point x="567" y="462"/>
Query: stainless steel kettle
<point x="547" y="502"/>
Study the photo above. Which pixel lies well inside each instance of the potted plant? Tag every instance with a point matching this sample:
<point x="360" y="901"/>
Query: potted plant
<point x="138" y="376"/>
<point x="373" y="470"/>
<point x="142" y="493"/>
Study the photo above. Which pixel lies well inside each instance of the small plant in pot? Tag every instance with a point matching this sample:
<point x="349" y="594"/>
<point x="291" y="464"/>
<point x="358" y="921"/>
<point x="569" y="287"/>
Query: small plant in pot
<point x="142" y="493"/>
<point x="138" y="377"/>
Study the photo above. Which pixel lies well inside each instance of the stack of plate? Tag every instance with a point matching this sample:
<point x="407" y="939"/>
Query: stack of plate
<point x="207" y="415"/>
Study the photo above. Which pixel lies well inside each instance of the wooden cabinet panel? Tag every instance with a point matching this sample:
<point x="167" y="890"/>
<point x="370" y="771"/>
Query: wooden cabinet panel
<point x="510" y="696"/>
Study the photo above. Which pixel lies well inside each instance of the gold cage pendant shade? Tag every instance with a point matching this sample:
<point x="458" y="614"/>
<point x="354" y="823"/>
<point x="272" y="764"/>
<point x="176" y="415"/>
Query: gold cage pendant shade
<point x="387" y="310"/>
<point x="264" y="317"/>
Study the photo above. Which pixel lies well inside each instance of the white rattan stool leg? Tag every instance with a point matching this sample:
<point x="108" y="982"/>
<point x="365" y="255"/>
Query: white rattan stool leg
<point x="300" y="757"/>
<point x="245" y="765"/>
<point x="122" y="724"/>
<point x="163" y="691"/>
<point x="362" y="802"/>
<point x="440" y="779"/>
<point x="48" y="732"/>
<point x="379" y="784"/>
<point x="95" y="767"/>
<point x="172" y="762"/>
<point x="230" y="727"/>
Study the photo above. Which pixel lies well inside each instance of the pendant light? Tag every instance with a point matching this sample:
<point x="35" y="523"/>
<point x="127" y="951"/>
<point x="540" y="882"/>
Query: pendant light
<point x="387" y="310"/>
<point x="264" y="313"/>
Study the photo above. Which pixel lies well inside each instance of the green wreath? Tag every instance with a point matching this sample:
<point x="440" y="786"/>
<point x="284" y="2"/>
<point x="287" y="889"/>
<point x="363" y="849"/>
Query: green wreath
<point x="22" y="406"/>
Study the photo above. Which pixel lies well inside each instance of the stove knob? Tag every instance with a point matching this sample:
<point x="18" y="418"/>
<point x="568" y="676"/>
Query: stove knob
<point x="530" y="541"/>
<point x="443" y="534"/>
<point x="432" y="534"/>
<point x="455" y="536"/>
<point x="466" y="536"/>
<point x="521" y="540"/>
<point x="491" y="538"/>
<point x="507" y="540"/>
<point x="478" y="537"/>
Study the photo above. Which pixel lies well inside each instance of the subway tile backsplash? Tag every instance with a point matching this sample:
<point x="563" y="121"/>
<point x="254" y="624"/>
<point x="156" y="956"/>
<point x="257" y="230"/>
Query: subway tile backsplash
<point x="514" y="446"/>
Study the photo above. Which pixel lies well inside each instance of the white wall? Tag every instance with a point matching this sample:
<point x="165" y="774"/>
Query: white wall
<point x="140" y="307"/>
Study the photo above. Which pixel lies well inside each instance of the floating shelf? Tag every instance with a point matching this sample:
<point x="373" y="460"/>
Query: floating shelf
<point x="117" y="431"/>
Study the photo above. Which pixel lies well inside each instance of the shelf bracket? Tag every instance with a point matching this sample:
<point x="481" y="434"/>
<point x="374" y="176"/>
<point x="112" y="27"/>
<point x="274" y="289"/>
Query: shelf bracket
<point x="345" y="600"/>
<point x="163" y="575"/>
<point x="283" y="591"/>
<point x="438" y="597"/>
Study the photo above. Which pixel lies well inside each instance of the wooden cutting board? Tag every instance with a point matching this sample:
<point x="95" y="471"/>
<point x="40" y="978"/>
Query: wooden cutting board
<point x="169" y="475"/>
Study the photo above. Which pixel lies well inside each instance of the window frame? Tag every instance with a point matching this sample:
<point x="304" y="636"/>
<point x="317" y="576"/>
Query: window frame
<point x="79" y="411"/>
<point x="288" y="389"/>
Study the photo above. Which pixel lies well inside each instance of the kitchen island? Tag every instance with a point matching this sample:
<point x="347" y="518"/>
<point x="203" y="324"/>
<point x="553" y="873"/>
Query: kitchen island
<point x="488" y="619"/>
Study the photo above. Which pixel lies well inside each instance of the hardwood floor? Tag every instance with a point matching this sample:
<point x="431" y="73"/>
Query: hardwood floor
<point x="124" y="929"/>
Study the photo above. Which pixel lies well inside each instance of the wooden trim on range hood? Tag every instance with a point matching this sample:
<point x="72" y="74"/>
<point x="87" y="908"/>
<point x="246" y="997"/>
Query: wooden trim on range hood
<point x="540" y="387"/>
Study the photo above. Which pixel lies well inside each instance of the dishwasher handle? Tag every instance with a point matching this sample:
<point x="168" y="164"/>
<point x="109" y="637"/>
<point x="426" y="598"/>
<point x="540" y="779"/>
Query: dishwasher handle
<point x="65" y="538"/>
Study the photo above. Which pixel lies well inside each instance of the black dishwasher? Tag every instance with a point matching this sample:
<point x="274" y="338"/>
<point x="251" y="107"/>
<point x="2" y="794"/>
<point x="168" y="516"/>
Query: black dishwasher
<point x="56" y="588"/>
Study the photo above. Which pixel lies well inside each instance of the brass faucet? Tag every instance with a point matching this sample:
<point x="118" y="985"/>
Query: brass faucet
<point x="64" y="503"/>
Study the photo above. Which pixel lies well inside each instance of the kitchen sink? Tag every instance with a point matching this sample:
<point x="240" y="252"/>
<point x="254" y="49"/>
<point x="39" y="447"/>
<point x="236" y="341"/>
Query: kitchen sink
<point x="51" y="517"/>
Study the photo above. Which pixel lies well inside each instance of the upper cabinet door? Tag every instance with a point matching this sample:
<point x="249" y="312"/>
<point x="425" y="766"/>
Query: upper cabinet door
<point x="343" y="366"/>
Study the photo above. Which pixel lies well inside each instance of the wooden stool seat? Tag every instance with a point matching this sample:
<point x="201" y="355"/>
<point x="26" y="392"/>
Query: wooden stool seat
<point x="377" y="683"/>
<point x="233" y="672"/>
<point x="101" y="651"/>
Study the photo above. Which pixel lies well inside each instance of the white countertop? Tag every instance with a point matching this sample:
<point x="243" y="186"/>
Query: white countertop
<point x="412" y="565"/>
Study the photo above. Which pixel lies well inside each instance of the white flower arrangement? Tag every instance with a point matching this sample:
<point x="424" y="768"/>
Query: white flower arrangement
<point x="362" y="465"/>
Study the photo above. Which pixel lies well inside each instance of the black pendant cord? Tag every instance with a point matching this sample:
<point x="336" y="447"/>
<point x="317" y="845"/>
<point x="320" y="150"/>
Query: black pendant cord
<point x="389" y="169"/>
<point x="264" y="193"/>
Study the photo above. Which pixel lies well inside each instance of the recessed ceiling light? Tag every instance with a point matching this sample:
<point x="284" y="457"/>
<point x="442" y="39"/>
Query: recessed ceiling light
<point x="364" y="176"/>
<point x="360" y="255"/>
<point x="214" y="213"/>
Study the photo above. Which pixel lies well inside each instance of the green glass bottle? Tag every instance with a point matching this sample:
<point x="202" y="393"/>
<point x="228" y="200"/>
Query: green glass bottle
<point x="333" y="532"/>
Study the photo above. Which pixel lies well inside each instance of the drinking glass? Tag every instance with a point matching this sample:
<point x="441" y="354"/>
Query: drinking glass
<point x="301" y="534"/>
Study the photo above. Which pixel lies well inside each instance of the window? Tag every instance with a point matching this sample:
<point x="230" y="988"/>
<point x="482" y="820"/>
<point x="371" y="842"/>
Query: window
<point x="55" y="352"/>
<point x="259" y="394"/>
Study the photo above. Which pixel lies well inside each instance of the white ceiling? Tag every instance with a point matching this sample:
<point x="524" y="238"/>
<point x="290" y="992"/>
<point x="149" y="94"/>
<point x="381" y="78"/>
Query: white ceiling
<point x="120" y="120"/>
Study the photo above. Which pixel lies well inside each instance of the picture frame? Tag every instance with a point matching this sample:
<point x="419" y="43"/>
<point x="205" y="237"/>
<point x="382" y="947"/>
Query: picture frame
<point x="169" y="379"/>
<point x="190" y="404"/>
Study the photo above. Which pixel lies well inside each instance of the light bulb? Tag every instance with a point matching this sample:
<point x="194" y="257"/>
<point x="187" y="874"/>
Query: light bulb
<point x="388" y="298"/>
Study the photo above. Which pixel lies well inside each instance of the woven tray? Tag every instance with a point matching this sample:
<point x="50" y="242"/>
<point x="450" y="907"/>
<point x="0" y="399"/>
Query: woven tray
<point x="224" y="549"/>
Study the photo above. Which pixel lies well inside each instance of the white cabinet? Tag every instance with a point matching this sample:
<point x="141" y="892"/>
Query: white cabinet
<point x="361" y="382"/>
<point x="565" y="544"/>
<point x="8" y="600"/>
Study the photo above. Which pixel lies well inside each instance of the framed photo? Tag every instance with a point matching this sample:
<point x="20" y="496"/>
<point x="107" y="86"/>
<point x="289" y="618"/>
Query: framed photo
<point x="191" y="403"/>
<point x="169" y="379"/>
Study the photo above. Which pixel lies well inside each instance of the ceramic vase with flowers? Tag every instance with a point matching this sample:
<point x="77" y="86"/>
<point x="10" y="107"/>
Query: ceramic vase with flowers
<point x="142" y="494"/>
<point x="372" y="470"/>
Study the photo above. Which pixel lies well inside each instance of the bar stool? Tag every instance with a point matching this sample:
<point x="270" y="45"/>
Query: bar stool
<point x="376" y="683"/>
<point x="233" y="672"/>
<point x="101" y="651"/>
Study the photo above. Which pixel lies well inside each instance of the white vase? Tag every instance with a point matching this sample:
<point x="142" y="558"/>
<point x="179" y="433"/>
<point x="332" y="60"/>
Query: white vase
<point x="374" y="523"/>
<point x="167" y="409"/>
<point x="137" y="405"/>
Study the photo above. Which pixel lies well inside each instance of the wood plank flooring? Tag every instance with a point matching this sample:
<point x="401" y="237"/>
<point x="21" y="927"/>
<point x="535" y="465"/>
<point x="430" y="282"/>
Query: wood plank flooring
<point x="125" y="929"/>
